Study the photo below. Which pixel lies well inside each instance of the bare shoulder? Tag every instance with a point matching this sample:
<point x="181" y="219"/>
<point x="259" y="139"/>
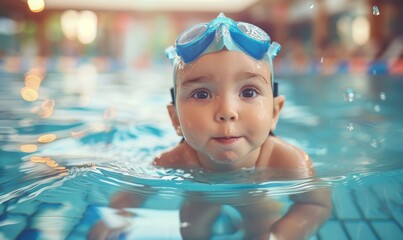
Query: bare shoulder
<point x="287" y="156"/>
<point x="179" y="156"/>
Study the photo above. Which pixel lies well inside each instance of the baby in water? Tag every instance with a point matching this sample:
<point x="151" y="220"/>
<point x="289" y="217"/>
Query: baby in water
<point x="226" y="108"/>
<point x="225" y="105"/>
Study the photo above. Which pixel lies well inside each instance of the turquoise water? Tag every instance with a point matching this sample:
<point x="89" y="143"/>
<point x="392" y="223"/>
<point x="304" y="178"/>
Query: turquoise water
<point x="91" y="136"/>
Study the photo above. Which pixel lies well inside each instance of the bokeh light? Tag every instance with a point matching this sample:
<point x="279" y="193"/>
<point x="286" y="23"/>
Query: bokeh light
<point x="87" y="27"/>
<point x="47" y="108"/>
<point x="69" y="22"/>
<point x="79" y="25"/>
<point x="48" y="161"/>
<point x="28" y="148"/>
<point x="47" y="138"/>
<point x="32" y="81"/>
<point x="360" y="30"/>
<point x="77" y="134"/>
<point x="38" y="159"/>
<point x="36" y="6"/>
<point x="29" y="94"/>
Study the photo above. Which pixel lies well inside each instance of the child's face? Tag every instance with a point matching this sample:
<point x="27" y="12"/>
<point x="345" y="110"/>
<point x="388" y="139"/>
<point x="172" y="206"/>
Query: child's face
<point x="224" y="108"/>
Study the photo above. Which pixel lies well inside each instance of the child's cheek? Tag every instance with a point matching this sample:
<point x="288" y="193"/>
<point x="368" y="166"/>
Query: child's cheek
<point x="261" y="111"/>
<point x="191" y="120"/>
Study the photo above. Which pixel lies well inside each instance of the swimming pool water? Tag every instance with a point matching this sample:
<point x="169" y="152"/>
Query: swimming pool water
<point x="87" y="137"/>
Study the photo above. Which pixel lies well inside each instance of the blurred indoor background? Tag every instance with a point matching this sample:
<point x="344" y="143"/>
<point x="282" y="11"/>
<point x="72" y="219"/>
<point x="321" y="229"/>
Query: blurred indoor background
<point x="317" y="36"/>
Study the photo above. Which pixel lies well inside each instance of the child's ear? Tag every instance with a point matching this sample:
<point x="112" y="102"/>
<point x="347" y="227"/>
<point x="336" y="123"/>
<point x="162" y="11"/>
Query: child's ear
<point x="278" y="104"/>
<point x="174" y="118"/>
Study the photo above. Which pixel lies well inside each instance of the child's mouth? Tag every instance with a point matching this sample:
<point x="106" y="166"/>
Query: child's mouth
<point x="226" y="140"/>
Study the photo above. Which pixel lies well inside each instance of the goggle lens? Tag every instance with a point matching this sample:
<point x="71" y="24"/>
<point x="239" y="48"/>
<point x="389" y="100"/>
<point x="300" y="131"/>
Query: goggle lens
<point x="253" y="31"/>
<point x="192" y="34"/>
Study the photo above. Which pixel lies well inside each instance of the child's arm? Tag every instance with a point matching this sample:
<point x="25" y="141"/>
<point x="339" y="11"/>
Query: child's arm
<point x="120" y="201"/>
<point x="197" y="218"/>
<point x="263" y="217"/>
<point x="176" y="157"/>
<point x="309" y="211"/>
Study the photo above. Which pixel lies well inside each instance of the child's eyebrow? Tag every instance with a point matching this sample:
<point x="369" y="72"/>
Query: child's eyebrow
<point x="195" y="80"/>
<point x="249" y="75"/>
<point x="243" y="77"/>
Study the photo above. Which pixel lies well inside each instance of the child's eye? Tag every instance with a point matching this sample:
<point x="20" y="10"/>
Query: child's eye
<point x="249" y="93"/>
<point x="201" y="94"/>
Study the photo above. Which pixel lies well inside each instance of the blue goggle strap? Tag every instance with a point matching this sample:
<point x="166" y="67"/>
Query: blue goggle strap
<point x="171" y="54"/>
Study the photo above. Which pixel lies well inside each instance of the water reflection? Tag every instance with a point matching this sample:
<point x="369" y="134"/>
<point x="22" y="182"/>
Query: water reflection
<point x="29" y="94"/>
<point x="28" y="148"/>
<point x="229" y="210"/>
<point x="33" y="79"/>
<point x="47" y="138"/>
<point x="46" y="108"/>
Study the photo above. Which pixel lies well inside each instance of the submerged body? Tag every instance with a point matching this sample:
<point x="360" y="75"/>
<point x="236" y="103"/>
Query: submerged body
<point x="225" y="111"/>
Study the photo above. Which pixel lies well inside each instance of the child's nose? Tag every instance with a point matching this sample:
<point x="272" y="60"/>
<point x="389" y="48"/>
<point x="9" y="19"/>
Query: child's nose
<point x="226" y="110"/>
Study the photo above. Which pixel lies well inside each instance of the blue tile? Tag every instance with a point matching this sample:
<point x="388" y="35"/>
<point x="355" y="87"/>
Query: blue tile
<point x="389" y="190"/>
<point x="26" y="208"/>
<point x="29" y="234"/>
<point x="398" y="216"/>
<point x="359" y="230"/>
<point x="56" y="220"/>
<point x="12" y="225"/>
<point x="77" y="235"/>
<point x="370" y="205"/>
<point x="1" y="209"/>
<point x="332" y="230"/>
<point x="387" y="230"/>
<point x="344" y="205"/>
<point x="391" y="196"/>
<point x="90" y="217"/>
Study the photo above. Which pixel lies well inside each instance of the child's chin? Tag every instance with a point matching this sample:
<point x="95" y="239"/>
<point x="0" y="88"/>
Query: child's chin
<point x="226" y="159"/>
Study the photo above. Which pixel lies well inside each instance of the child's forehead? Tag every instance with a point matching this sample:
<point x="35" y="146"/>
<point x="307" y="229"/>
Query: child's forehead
<point x="224" y="63"/>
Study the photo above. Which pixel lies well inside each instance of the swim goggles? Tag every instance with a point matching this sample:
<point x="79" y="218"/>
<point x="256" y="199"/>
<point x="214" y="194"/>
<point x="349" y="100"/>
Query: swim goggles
<point x="194" y="41"/>
<point x="222" y="32"/>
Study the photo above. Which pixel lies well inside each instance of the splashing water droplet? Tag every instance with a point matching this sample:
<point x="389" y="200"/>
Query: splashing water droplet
<point x="177" y="178"/>
<point x="169" y="178"/>
<point x="184" y="224"/>
<point x="311" y="6"/>
<point x="259" y="65"/>
<point x="374" y="143"/>
<point x="349" y="95"/>
<point x="382" y="96"/>
<point x="377" y="108"/>
<point x="350" y="126"/>
<point x="181" y="64"/>
<point x="375" y="11"/>
<point x="321" y="60"/>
